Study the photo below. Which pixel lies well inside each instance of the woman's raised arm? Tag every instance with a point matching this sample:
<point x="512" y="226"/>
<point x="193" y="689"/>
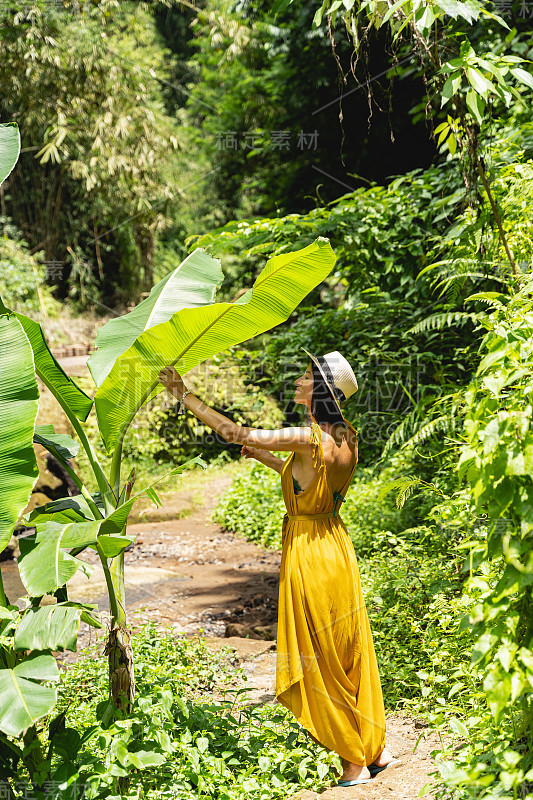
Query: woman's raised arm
<point x="297" y="439"/>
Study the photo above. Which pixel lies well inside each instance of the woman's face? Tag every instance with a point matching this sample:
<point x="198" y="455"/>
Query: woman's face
<point x="304" y="387"/>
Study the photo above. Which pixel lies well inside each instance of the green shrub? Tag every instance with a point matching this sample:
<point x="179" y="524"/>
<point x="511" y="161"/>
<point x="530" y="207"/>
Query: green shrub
<point x="253" y="506"/>
<point x="179" y="742"/>
<point x="410" y="563"/>
<point x="22" y="276"/>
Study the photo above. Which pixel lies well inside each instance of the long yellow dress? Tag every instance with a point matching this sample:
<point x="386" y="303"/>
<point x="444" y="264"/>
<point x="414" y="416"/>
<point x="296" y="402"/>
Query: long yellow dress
<point x="326" y="671"/>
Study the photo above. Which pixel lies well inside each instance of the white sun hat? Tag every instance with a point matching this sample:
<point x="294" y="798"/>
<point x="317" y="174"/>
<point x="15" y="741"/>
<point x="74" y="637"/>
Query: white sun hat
<point x="336" y="372"/>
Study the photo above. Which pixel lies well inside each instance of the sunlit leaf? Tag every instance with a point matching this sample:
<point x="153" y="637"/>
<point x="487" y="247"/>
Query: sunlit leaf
<point x="194" y="334"/>
<point x="18" y="410"/>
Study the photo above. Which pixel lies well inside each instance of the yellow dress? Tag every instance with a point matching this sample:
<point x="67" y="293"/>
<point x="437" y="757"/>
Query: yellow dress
<point x="326" y="671"/>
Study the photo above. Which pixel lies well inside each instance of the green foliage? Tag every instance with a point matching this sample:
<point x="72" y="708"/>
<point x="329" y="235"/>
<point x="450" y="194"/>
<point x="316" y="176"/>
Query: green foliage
<point x="263" y="111"/>
<point x="381" y="234"/>
<point x="19" y="397"/>
<point x="469" y="79"/>
<point x="178" y="738"/>
<point x="22" y="276"/>
<point x="496" y="459"/>
<point x="253" y="506"/>
<point x="383" y="238"/>
<point x="96" y="114"/>
<point x="413" y="593"/>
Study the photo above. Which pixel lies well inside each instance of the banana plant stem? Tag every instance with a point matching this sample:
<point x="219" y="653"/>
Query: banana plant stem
<point x="3" y="599"/>
<point x="113" y="604"/>
<point x="103" y="485"/>
<point x="117" y="575"/>
<point x="116" y="462"/>
<point x="99" y="474"/>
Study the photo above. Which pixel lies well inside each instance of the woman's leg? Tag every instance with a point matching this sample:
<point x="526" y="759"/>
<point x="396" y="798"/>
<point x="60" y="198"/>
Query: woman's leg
<point x="352" y="772"/>
<point x="383" y="758"/>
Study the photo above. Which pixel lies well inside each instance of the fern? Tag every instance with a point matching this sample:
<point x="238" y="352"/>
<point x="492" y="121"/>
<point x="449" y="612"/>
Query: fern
<point x="446" y="319"/>
<point x="460" y="269"/>
<point x="398" y="434"/>
<point x="490" y="298"/>
<point x="448" y="407"/>
<point x="405" y="485"/>
<point x="444" y="423"/>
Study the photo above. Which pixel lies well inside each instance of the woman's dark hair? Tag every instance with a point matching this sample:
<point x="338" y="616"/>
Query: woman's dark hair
<point x="323" y="406"/>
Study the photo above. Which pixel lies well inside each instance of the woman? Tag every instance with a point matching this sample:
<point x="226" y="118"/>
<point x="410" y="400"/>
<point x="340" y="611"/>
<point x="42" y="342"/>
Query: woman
<point x="327" y="672"/>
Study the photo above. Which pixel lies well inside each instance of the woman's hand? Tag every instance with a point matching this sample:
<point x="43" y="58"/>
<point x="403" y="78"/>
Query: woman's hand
<point x="253" y="452"/>
<point x="172" y="381"/>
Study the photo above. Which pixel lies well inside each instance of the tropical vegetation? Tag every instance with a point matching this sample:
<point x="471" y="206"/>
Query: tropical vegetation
<point x="178" y="135"/>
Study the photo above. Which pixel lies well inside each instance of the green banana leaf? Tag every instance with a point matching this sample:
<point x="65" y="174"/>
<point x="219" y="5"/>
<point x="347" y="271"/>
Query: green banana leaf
<point x="112" y="544"/>
<point x="66" y="509"/>
<point x="43" y="563"/>
<point x="19" y="398"/>
<point x="22" y="699"/>
<point x="52" y="374"/>
<point x="193" y="283"/>
<point x="53" y="627"/>
<point x="58" y="444"/>
<point x="9" y="148"/>
<point x="194" y="334"/>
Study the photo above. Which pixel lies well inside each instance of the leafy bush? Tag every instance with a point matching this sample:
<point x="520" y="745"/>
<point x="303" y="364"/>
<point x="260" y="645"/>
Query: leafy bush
<point x="22" y="276"/>
<point x="180" y="740"/>
<point x="253" y="506"/>
<point x="367" y="308"/>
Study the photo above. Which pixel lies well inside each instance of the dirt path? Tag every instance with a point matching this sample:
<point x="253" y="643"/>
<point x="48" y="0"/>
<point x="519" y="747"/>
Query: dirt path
<point x="190" y="574"/>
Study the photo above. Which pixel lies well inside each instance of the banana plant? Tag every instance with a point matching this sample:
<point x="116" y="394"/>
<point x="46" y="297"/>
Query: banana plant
<point x="28" y="637"/>
<point x="179" y="323"/>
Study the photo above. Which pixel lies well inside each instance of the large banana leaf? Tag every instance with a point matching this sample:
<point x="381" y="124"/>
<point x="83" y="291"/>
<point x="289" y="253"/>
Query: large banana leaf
<point x="18" y="409"/>
<point x="52" y="374"/>
<point x="193" y="283"/>
<point x="66" y="509"/>
<point x="44" y="565"/>
<point x="194" y="334"/>
<point x="22" y="699"/>
<point x="54" y="627"/>
<point x="9" y="148"/>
